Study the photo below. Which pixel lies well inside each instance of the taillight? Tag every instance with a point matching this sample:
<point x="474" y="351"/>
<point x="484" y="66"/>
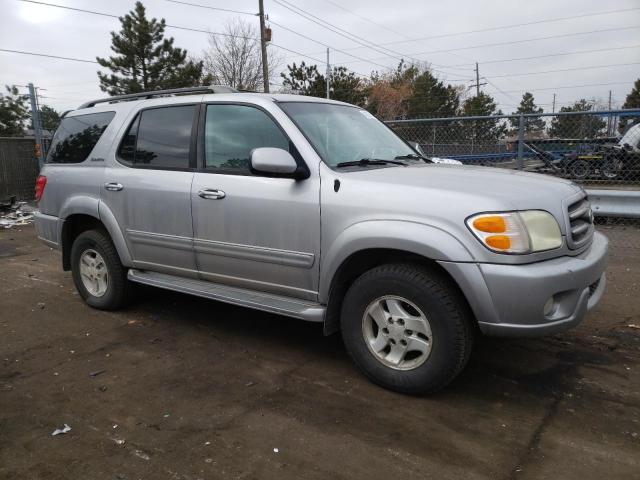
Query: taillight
<point x="41" y="182"/>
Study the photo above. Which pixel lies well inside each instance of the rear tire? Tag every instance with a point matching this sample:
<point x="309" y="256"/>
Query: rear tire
<point x="422" y="317"/>
<point x="98" y="274"/>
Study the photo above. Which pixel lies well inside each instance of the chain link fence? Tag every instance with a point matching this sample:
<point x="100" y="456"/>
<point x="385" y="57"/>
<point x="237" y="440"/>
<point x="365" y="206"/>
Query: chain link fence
<point x="599" y="150"/>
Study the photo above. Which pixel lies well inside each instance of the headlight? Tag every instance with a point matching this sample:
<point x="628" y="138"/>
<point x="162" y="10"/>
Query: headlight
<point x="516" y="232"/>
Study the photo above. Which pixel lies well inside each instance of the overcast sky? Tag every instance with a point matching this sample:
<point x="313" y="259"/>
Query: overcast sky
<point x="428" y="30"/>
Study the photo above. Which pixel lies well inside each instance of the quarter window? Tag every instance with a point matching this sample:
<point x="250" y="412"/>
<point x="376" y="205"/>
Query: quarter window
<point x="232" y="131"/>
<point x="76" y="137"/>
<point x="159" y="138"/>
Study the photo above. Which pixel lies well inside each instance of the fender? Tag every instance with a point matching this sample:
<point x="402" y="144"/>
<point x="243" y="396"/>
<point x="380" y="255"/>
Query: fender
<point x="424" y="240"/>
<point x="93" y="207"/>
<point x="111" y="224"/>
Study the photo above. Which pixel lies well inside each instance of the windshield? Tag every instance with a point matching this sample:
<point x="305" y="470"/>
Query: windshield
<point x="341" y="133"/>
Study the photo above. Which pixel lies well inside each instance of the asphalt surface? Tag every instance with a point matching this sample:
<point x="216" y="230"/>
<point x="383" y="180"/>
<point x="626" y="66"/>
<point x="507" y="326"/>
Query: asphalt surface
<point x="177" y="387"/>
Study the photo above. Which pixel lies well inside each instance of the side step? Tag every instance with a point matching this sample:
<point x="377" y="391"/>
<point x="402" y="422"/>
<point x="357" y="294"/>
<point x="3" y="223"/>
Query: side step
<point x="268" y="302"/>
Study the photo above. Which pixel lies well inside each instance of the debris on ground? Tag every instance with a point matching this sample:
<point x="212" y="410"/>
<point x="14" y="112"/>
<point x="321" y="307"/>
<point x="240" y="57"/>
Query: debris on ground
<point x="141" y="454"/>
<point x="41" y="305"/>
<point x="60" y="431"/>
<point x="119" y="441"/>
<point x="633" y="325"/>
<point x="96" y="373"/>
<point x="17" y="214"/>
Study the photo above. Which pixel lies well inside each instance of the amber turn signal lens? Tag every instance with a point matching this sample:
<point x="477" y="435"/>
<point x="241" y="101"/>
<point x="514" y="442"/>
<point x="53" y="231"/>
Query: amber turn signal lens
<point x="501" y="242"/>
<point x="490" y="224"/>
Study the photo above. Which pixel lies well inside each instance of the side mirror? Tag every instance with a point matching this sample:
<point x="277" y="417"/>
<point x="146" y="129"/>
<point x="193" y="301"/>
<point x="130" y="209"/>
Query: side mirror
<point x="273" y="160"/>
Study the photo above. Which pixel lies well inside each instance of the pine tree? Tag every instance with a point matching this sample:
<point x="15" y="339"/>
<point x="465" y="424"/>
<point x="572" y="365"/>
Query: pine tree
<point x="49" y="118"/>
<point x="145" y="59"/>
<point x="632" y="101"/>
<point x="14" y="112"/>
<point x="577" y="126"/>
<point x="532" y="125"/>
<point x="307" y="80"/>
<point x="432" y="98"/>
<point x="483" y="130"/>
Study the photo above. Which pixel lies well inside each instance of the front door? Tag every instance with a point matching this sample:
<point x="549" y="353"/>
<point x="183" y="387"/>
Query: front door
<point x="251" y="230"/>
<point x="147" y="187"/>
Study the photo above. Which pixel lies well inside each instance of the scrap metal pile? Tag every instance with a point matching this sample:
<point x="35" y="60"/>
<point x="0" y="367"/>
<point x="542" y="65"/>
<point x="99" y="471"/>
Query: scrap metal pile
<point x="14" y="214"/>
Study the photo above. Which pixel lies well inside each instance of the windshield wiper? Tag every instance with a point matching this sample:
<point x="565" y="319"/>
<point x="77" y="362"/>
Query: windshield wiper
<point x="412" y="156"/>
<point x="363" y="162"/>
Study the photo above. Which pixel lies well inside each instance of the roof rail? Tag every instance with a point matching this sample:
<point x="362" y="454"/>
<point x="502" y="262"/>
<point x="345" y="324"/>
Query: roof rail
<point x="159" y="93"/>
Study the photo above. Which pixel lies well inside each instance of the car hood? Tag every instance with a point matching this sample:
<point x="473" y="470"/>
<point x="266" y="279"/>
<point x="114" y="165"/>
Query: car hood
<point x="456" y="190"/>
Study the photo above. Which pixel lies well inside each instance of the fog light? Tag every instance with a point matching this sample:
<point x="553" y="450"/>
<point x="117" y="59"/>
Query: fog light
<point x="549" y="307"/>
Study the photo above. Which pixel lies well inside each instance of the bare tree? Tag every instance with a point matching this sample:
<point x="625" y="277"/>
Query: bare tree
<point x="235" y="59"/>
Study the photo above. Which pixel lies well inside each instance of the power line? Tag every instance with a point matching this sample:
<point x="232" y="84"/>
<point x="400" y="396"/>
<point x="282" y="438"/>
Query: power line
<point x="367" y="19"/>
<point x="324" y="44"/>
<point x="514" y="25"/>
<point x="110" y="15"/>
<point x="334" y="28"/>
<point x="596" y="50"/>
<point x="513" y="42"/>
<point x="568" y="86"/>
<point x="338" y="30"/>
<point x="564" y="70"/>
<point x="47" y="55"/>
<point x="213" y="8"/>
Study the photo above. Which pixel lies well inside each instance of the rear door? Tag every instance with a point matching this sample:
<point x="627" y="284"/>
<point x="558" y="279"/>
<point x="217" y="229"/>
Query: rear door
<point x="148" y="188"/>
<point x="251" y="230"/>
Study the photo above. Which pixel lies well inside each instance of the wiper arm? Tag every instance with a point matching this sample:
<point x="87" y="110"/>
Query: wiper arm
<point x="363" y="162"/>
<point x="412" y="156"/>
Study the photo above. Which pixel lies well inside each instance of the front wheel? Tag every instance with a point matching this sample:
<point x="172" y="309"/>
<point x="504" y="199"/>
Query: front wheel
<point x="99" y="276"/>
<point x="579" y="169"/>
<point x="407" y="328"/>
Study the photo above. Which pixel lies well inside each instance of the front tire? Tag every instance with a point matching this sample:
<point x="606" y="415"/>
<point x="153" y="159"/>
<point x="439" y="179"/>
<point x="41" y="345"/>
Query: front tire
<point x="407" y="328"/>
<point x="98" y="274"/>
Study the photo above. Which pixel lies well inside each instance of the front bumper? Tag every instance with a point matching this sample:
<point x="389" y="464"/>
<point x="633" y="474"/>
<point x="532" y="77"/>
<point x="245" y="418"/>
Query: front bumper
<point x="509" y="300"/>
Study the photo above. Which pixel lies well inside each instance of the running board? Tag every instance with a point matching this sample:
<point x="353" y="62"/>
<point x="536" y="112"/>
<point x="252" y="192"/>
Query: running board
<point x="290" y="307"/>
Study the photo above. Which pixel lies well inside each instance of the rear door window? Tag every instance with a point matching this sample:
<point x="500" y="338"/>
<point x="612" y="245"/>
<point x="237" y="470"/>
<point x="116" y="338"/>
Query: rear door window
<point x="159" y="138"/>
<point x="76" y="137"/>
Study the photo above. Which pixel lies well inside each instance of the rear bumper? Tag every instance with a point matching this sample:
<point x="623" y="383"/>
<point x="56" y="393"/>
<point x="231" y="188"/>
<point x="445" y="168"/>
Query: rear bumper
<point x="509" y="300"/>
<point x="48" y="229"/>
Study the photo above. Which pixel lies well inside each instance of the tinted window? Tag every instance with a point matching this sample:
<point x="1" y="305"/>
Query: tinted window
<point x="159" y="137"/>
<point x="76" y="136"/>
<point x="232" y="131"/>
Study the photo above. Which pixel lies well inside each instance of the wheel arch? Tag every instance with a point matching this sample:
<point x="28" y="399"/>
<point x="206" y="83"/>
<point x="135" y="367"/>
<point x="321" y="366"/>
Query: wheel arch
<point x="412" y="243"/>
<point x="78" y="222"/>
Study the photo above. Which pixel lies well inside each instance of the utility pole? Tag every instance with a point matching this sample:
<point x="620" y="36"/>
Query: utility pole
<point x="478" y="84"/>
<point x="328" y="73"/>
<point x="553" y="108"/>
<point x="263" y="46"/>
<point x="37" y="126"/>
<point x="610" y="119"/>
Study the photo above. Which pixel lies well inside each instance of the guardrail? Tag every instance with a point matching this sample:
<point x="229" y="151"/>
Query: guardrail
<point x="615" y="203"/>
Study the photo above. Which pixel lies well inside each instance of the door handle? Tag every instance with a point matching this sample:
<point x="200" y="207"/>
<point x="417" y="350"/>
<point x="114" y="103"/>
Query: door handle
<point x="211" y="194"/>
<point x="113" y="186"/>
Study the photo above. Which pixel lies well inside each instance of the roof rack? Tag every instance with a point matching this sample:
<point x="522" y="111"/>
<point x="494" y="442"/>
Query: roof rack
<point x="160" y="93"/>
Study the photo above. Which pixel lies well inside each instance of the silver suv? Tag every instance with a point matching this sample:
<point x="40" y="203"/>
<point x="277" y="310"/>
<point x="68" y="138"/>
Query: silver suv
<point x="314" y="209"/>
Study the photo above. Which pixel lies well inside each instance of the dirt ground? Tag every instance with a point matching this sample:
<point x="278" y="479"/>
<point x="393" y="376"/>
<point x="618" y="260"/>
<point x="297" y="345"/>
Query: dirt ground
<point x="177" y="387"/>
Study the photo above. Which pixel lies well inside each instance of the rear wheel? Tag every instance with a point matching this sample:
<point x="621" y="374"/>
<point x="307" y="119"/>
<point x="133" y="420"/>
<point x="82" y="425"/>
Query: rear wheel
<point x="407" y="328"/>
<point x="612" y="167"/>
<point x="98" y="274"/>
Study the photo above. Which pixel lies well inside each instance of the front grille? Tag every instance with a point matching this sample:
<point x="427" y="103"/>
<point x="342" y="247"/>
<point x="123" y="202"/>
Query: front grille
<point x="580" y="223"/>
<point x="593" y="287"/>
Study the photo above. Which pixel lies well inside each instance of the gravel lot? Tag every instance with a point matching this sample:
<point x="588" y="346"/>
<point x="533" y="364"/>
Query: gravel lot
<point x="185" y="388"/>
